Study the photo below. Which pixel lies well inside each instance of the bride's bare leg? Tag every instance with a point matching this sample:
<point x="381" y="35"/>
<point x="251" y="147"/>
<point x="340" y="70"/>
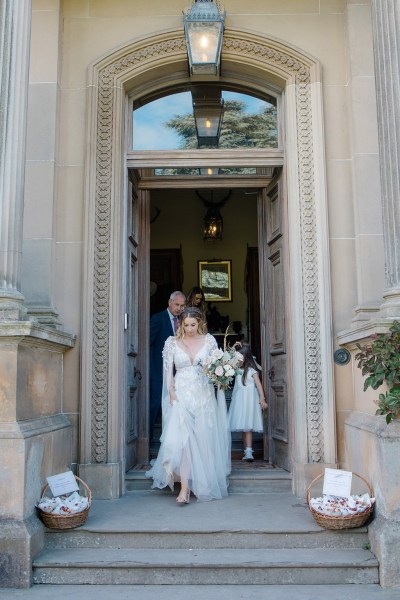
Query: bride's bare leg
<point x="183" y="497"/>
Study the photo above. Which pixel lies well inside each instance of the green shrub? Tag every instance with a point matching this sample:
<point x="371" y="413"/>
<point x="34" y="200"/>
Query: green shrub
<point x="380" y="360"/>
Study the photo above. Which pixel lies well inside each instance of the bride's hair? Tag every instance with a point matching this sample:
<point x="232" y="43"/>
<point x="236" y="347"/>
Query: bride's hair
<point x="193" y="313"/>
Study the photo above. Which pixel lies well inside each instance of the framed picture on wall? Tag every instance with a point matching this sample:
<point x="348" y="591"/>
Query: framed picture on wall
<point x="215" y="280"/>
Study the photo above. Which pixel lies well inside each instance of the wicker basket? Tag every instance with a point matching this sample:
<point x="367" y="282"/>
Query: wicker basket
<point x="344" y="521"/>
<point x="66" y="521"/>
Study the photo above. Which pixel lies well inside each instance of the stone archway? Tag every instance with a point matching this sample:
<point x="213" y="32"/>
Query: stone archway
<point x="160" y="59"/>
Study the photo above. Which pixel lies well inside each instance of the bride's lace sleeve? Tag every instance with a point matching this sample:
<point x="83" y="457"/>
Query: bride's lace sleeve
<point x="168" y="371"/>
<point x="168" y="356"/>
<point x="211" y="342"/>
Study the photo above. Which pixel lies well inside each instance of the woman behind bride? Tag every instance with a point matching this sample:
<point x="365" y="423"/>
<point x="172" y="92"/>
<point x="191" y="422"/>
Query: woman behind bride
<point x="195" y="443"/>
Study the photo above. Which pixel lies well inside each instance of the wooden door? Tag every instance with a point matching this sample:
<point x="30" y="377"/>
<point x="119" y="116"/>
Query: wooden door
<point x="273" y="297"/>
<point x="136" y="325"/>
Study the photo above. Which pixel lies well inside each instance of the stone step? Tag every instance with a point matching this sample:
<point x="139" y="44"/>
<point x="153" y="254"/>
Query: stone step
<point x="249" y="479"/>
<point x="86" y="537"/>
<point x="246" y="479"/>
<point x="217" y="566"/>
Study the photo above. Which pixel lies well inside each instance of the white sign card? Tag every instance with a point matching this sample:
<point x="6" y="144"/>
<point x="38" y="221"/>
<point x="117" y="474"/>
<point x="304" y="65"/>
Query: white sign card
<point x="61" y="484"/>
<point x="337" y="483"/>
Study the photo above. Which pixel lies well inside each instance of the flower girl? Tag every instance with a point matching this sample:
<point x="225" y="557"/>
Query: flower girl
<point x="248" y="401"/>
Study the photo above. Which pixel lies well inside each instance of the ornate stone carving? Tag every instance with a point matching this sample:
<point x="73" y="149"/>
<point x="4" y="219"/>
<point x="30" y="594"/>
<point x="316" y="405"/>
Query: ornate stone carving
<point x="290" y="66"/>
<point x="268" y="55"/>
<point x="310" y="275"/>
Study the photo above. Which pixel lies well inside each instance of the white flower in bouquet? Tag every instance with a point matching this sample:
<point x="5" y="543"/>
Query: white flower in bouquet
<point x="229" y="370"/>
<point x="216" y="354"/>
<point x="222" y="365"/>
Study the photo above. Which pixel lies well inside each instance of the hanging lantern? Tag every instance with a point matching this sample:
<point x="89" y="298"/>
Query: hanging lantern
<point x="208" y="111"/>
<point x="204" y="27"/>
<point x="213" y="225"/>
<point x="213" y="222"/>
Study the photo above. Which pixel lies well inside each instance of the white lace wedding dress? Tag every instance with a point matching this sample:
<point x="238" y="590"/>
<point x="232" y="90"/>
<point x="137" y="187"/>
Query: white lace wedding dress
<point x="195" y="442"/>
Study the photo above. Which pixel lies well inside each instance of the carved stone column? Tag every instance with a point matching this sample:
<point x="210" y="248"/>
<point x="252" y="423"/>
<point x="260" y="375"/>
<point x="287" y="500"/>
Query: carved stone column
<point x="35" y="437"/>
<point x="15" y="27"/>
<point x="386" y="32"/>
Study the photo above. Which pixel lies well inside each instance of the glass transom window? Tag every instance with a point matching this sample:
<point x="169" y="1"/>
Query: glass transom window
<point x="168" y="123"/>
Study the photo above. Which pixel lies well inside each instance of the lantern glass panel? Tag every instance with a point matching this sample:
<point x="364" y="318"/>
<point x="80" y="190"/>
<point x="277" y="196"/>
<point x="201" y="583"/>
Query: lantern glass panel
<point x="207" y="126"/>
<point x="204" y="42"/>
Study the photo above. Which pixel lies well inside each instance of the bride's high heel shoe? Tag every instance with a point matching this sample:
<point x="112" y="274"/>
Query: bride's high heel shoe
<point x="183" y="498"/>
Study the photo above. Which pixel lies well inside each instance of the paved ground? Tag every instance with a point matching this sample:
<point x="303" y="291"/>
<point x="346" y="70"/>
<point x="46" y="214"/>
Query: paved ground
<point x="219" y="592"/>
<point x="157" y="511"/>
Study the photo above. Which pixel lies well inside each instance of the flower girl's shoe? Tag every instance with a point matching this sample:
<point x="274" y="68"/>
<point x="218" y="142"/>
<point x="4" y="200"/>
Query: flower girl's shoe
<point x="248" y="454"/>
<point x="183" y="498"/>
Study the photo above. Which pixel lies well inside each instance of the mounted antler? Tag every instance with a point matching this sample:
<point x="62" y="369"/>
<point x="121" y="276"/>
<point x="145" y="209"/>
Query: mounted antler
<point x="212" y="204"/>
<point x="156" y="215"/>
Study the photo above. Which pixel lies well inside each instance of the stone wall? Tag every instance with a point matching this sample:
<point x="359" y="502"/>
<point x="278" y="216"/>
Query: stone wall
<point x="334" y="31"/>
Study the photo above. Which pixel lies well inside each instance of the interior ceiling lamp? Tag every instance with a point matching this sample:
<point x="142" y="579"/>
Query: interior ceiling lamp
<point x="204" y="26"/>
<point x="208" y="110"/>
<point x="213" y="222"/>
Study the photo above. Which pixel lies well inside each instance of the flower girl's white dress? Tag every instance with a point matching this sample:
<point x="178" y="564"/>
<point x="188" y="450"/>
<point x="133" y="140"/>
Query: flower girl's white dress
<point x="245" y="412"/>
<point x="195" y="441"/>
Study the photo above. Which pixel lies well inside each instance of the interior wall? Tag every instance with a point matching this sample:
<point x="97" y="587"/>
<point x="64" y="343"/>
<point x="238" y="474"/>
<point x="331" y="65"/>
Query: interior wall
<point x="180" y="224"/>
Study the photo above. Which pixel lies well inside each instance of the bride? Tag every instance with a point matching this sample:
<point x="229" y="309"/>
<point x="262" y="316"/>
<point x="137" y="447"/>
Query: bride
<point x="195" y="443"/>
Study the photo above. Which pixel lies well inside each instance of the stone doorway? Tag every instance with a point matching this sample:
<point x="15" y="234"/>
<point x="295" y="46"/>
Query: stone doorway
<point x="152" y="65"/>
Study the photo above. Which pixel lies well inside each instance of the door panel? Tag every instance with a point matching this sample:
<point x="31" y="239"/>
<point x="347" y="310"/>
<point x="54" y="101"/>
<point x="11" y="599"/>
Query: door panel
<point x="273" y="300"/>
<point x="276" y="303"/>
<point x="136" y="342"/>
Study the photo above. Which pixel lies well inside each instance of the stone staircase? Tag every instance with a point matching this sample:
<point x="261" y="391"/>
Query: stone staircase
<point x="261" y="534"/>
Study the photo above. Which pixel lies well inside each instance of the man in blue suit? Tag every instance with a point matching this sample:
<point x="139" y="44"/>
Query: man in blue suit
<point x="162" y="325"/>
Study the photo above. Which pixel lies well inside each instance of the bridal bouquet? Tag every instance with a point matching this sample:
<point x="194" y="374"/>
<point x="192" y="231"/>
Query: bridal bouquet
<point x="222" y="365"/>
